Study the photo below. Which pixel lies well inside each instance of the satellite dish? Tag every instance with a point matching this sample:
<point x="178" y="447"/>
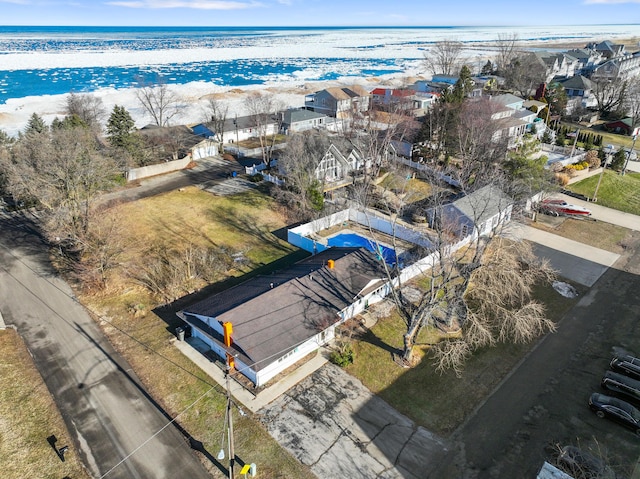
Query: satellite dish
<point x="221" y="455"/>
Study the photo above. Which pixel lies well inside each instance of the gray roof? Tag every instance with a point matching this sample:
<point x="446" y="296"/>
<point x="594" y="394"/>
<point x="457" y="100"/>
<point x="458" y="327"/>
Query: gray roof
<point x="507" y="99"/>
<point x="479" y="206"/>
<point x="273" y="314"/>
<point x="300" y="114"/>
<point x="577" y="82"/>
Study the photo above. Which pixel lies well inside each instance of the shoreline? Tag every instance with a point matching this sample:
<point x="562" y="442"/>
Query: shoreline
<point x="15" y="113"/>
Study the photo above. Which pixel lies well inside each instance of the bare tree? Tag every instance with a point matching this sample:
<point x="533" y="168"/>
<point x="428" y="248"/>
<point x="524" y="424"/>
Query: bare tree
<point x="63" y="170"/>
<point x="632" y="100"/>
<point x="444" y="57"/>
<point x="499" y="303"/>
<point x="525" y="73"/>
<point x="452" y="273"/>
<point x="263" y="110"/>
<point x="89" y="108"/>
<point x="476" y="133"/>
<point x="299" y="161"/>
<point x="102" y="247"/>
<point x="159" y="101"/>
<point x="610" y="94"/>
<point x="216" y="113"/>
<point x="507" y="50"/>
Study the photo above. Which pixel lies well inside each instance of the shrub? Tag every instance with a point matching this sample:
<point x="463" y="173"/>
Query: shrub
<point x="592" y="159"/>
<point x="257" y="178"/>
<point x="562" y="179"/>
<point x="343" y="356"/>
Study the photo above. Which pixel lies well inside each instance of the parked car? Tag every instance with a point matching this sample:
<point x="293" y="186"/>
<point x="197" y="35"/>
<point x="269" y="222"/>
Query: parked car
<point x="626" y="364"/>
<point x="623" y="385"/>
<point x="617" y="410"/>
<point x="580" y="464"/>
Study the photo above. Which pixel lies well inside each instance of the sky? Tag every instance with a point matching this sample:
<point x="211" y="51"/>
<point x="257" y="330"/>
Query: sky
<point x="207" y="13"/>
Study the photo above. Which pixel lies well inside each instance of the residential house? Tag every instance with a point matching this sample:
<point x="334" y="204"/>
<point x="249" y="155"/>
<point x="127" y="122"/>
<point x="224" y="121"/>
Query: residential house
<point x="607" y="49"/>
<point x="168" y="143"/>
<point x="408" y="100"/>
<point x="241" y="128"/>
<point x="622" y="67"/>
<point x="557" y="65"/>
<point x="623" y="127"/>
<point x="339" y="102"/>
<point x="514" y="120"/>
<point x="295" y="120"/>
<point x="475" y="214"/>
<point x="580" y="89"/>
<point x="587" y="59"/>
<point x="341" y="159"/>
<point x="488" y="82"/>
<point x="280" y="318"/>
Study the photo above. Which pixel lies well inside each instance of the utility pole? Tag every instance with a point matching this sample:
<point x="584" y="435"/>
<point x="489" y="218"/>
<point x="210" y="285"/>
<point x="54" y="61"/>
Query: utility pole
<point x="575" y="142"/>
<point x="604" y="167"/>
<point x="227" y="331"/>
<point x="633" y="145"/>
<point x="232" y="454"/>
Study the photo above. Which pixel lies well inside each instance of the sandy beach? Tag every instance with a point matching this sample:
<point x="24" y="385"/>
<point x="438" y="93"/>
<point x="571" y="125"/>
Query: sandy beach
<point x="15" y="113"/>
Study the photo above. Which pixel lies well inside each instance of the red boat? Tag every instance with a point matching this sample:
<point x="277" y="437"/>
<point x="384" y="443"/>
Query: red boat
<point x="561" y="207"/>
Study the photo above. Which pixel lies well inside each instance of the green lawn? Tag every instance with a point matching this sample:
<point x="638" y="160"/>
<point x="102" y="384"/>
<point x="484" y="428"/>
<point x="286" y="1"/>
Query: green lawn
<point x="615" y="191"/>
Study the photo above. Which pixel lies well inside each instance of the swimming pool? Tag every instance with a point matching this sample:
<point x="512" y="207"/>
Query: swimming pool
<point x="352" y="240"/>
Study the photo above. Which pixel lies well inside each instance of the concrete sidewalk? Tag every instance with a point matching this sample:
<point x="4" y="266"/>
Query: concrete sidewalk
<point x="576" y="261"/>
<point x="252" y="402"/>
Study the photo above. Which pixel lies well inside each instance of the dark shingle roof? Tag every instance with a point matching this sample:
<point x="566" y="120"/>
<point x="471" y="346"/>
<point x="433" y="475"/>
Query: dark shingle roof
<point x="577" y="82"/>
<point x="274" y="313"/>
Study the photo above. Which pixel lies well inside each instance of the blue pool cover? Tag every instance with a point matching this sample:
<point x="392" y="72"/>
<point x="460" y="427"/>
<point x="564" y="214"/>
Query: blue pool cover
<point x="352" y="240"/>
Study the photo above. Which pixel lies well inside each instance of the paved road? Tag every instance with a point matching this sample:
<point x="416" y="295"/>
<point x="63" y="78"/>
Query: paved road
<point x="108" y="413"/>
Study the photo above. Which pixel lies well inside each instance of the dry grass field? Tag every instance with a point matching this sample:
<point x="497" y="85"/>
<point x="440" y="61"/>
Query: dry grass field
<point x="28" y="416"/>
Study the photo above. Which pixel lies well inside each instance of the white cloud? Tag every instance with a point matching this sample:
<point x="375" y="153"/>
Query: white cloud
<point x="195" y="4"/>
<point x="286" y="2"/>
<point x="609" y="2"/>
<point x="16" y="2"/>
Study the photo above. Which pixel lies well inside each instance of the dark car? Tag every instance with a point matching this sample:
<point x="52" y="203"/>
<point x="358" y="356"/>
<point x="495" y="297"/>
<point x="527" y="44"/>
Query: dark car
<point x="626" y="364"/>
<point x="579" y="463"/>
<point x="623" y="385"/>
<point x="617" y="410"/>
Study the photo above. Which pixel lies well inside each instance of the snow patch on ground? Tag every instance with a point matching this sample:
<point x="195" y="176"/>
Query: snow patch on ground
<point x="565" y="289"/>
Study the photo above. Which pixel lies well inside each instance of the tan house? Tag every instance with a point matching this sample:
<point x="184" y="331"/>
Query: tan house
<point x="339" y="102"/>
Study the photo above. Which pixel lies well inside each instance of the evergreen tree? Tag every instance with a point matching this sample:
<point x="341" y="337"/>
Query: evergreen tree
<point x="619" y="160"/>
<point x="464" y="85"/>
<point x="120" y="127"/>
<point x="121" y="131"/>
<point x="35" y="125"/>
<point x="69" y="122"/>
<point x="487" y="69"/>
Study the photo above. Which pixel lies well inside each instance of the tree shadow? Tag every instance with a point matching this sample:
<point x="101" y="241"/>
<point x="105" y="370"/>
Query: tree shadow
<point x="194" y="443"/>
<point x="368" y="336"/>
<point x="168" y="312"/>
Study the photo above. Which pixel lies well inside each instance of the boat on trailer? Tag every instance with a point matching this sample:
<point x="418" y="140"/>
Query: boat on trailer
<point x="557" y="207"/>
